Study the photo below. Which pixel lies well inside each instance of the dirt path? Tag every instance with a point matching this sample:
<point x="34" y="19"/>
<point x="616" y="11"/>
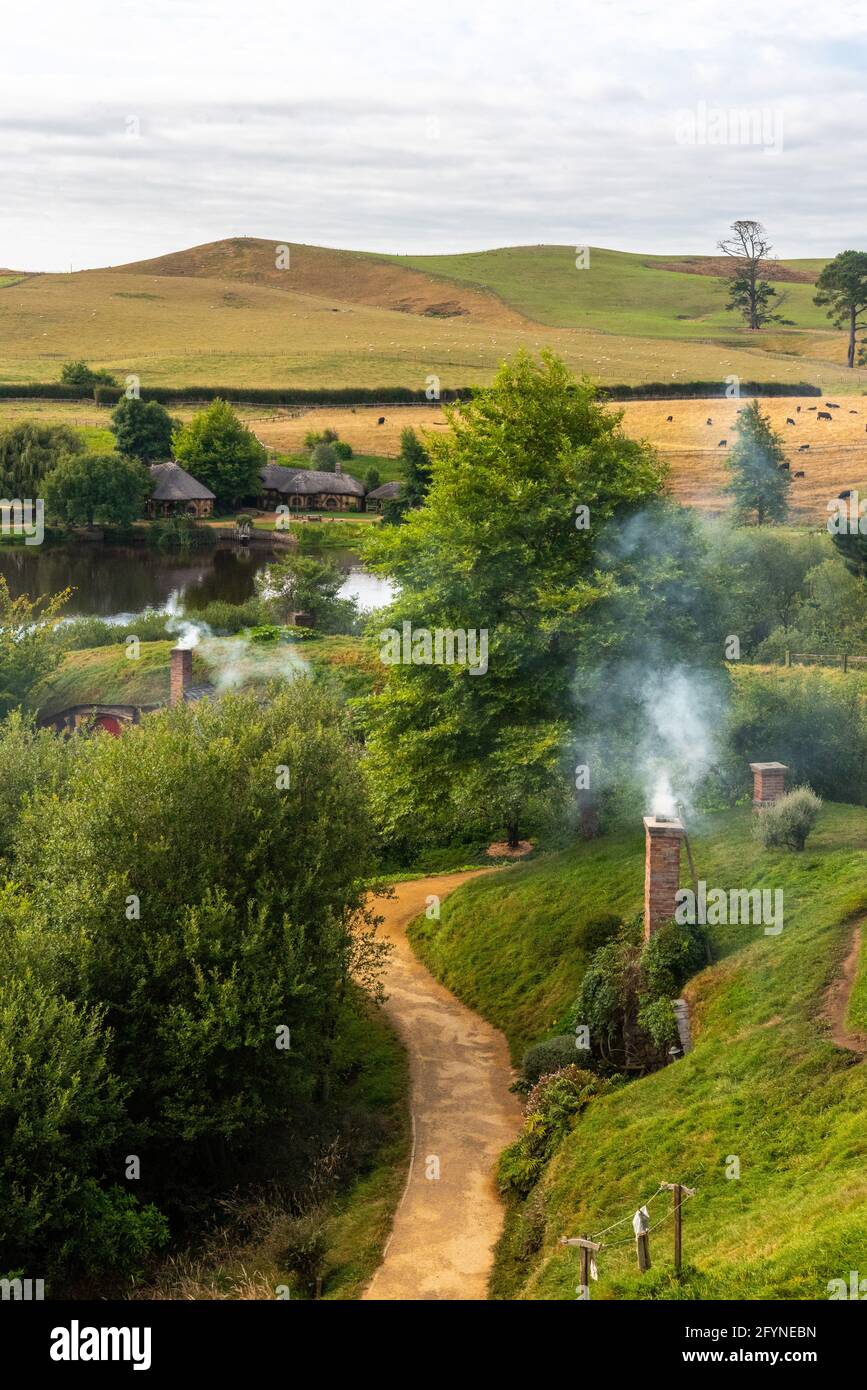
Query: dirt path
<point x="463" y="1115"/>
<point x="837" y="999"/>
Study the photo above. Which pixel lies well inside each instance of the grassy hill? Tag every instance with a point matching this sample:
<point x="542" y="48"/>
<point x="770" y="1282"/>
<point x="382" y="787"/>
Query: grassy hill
<point x="225" y="314"/>
<point x="619" y="292"/>
<point x="763" y="1083"/>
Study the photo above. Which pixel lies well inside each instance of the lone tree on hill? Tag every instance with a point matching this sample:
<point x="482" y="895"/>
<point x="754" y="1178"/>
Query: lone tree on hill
<point x="760" y="480"/>
<point x="750" y="293"/>
<point x="143" y="430"/>
<point x="222" y="453"/>
<point x="842" y="290"/>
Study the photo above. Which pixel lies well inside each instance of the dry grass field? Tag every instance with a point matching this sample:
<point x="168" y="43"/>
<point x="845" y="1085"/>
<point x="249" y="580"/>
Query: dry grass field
<point x="223" y="314"/>
<point x="836" y="458"/>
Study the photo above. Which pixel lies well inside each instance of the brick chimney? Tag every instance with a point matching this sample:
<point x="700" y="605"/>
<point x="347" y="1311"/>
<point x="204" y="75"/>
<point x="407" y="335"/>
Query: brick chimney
<point x="769" y="782"/>
<point x="182" y="672"/>
<point x="663" y="836"/>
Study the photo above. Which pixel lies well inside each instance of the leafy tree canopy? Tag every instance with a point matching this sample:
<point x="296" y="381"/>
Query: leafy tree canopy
<point x="222" y="453"/>
<point x="143" y="430"/>
<point x="107" y="489"/>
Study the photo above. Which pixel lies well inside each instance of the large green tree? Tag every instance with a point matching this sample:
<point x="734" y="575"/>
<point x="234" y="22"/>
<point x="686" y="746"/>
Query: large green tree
<point x="107" y="489"/>
<point x="199" y="884"/>
<point x="222" y="453"/>
<point x="760" y="478"/>
<point x="842" y="290"/>
<point x="143" y="430"/>
<point x="532" y="471"/>
<point x="29" y="452"/>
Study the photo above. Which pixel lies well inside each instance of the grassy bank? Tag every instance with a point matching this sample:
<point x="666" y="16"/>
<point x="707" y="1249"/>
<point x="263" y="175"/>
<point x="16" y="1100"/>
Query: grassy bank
<point x="763" y="1084"/>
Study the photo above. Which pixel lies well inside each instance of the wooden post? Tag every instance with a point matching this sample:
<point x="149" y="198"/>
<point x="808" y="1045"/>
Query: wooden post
<point x="678" y="1229"/>
<point x="678" y="1190"/>
<point x="642" y="1245"/>
<point x="587" y="1247"/>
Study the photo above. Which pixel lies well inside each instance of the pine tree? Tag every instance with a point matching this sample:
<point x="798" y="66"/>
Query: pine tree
<point x="759" y="474"/>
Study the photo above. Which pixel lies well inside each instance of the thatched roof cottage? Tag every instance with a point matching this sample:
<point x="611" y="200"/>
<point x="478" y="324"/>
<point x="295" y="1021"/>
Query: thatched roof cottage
<point x="308" y="488"/>
<point x="388" y="492"/>
<point x="175" y="490"/>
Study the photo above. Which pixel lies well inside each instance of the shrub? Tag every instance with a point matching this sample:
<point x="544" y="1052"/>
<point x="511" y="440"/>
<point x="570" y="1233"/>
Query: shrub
<point x="324" y="457"/>
<point x="342" y="449"/>
<point x="180" y="533"/>
<point x="306" y="1249"/>
<point x="546" y="1057"/>
<point x="788" y="821"/>
<point x="550" y="1112"/>
<point x="225" y="619"/>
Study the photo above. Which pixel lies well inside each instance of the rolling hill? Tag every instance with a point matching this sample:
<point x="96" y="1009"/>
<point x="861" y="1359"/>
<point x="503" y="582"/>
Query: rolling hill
<point x="225" y="314"/>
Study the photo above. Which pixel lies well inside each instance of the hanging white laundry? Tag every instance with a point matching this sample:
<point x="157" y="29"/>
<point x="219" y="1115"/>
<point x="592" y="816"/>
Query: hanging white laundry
<point x="641" y="1221"/>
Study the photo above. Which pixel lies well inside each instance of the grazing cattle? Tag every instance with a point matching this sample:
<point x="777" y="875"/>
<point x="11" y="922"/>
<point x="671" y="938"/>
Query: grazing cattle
<point x="847" y="492"/>
<point x="789" y="420"/>
<point x="668" y="419"/>
<point x="824" y="415"/>
<point x="783" y="465"/>
<point x="708" y="422"/>
<point x="722" y="444"/>
<point x="799" y="473"/>
<point x="831" y="405"/>
<point x="798" y="409"/>
<point x="381" y="420"/>
<point x="812" y="407"/>
<point x="802" y="447"/>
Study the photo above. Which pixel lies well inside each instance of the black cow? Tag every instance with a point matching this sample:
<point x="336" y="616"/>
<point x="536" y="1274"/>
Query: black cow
<point x="798" y="409"/>
<point x="824" y="415"/>
<point x="668" y="419"/>
<point x="798" y="474"/>
<point x="789" y="420"/>
<point x="381" y="420"/>
<point x="783" y="465"/>
<point x="831" y="405"/>
<point x="812" y="407"/>
<point x="722" y="444"/>
<point x="802" y="447"/>
<point x="708" y="421"/>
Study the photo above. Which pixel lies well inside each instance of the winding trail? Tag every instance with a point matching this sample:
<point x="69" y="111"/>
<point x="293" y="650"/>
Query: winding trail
<point x="463" y="1114"/>
<point x="837" y="998"/>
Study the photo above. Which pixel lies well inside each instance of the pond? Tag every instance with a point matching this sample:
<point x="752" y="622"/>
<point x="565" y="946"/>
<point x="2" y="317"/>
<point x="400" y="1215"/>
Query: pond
<point x="110" y="581"/>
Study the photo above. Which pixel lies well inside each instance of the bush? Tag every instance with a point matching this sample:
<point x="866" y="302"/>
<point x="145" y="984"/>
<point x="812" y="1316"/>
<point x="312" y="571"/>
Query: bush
<point x="546" y="1057"/>
<point x="324" y="457"/>
<point x="342" y="449"/>
<point x="306" y="1249"/>
<point x="225" y="619"/>
<point x="550" y="1112"/>
<point x="180" y="533"/>
<point x="788" y="821"/>
<point x="82" y="633"/>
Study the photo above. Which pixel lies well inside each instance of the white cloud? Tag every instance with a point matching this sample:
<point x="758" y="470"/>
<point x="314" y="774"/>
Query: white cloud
<point x="556" y="123"/>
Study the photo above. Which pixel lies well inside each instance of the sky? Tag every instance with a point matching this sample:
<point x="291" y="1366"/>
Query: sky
<point x="130" y="130"/>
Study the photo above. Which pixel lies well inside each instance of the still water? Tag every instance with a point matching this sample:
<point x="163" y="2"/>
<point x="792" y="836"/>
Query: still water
<point x="110" y="580"/>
